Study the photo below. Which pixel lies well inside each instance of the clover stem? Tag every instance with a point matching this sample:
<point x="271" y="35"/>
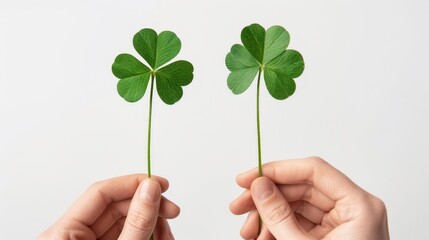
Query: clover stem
<point x="259" y="137"/>
<point x="149" y="174"/>
<point x="258" y="124"/>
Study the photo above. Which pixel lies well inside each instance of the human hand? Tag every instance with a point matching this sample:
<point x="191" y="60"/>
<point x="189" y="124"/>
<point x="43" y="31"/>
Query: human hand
<point x="128" y="208"/>
<point x="308" y="199"/>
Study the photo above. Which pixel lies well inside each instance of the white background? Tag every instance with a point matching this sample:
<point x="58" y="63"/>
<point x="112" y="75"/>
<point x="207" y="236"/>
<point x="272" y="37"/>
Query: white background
<point x="362" y="104"/>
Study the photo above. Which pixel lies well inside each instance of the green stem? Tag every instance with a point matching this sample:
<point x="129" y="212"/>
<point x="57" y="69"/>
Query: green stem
<point x="149" y="174"/>
<point x="258" y="124"/>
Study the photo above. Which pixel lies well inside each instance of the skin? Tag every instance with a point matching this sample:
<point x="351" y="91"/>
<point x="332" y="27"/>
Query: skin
<point x="128" y="207"/>
<point x="296" y="199"/>
<point x="308" y="199"/>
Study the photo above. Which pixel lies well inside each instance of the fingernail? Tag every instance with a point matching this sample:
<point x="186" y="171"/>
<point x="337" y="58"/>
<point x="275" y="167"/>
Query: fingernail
<point x="149" y="191"/>
<point x="263" y="189"/>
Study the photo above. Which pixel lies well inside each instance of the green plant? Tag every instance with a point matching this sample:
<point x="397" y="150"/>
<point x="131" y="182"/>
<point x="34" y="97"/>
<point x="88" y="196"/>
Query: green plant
<point x="134" y="76"/>
<point x="264" y="52"/>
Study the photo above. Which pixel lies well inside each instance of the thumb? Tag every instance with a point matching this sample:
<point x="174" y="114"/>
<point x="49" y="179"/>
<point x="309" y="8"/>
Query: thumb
<point x="143" y="211"/>
<point x="275" y="211"/>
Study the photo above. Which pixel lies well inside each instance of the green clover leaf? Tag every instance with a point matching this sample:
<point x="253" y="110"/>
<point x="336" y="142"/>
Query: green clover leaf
<point x="171" y="91"/>
<point x="264" y="51"/>
<point x="157" y="50"/>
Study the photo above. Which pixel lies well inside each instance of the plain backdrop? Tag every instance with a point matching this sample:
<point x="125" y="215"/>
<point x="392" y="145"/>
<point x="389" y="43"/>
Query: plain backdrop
<point x="362" y="104"/>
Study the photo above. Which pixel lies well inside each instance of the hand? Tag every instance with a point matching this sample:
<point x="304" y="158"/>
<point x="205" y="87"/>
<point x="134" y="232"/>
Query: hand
<point x="128" y="208"/>
<point x="308" y="199"/>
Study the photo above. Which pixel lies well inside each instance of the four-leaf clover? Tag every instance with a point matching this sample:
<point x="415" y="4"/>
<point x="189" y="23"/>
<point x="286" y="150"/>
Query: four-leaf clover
<point x="264" y="51"/>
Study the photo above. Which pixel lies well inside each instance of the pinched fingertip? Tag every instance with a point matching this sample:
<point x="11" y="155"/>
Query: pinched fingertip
<point x="242" y="204"/>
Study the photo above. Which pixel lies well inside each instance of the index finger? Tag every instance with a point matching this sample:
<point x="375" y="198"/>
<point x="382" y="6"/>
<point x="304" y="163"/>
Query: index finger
<point x="314" y="171"/>
<point x="96" y="198"/>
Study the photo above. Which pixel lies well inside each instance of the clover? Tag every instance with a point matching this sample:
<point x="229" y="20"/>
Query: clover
<point x="134" y="76"/>
<point x="264" y="51"/>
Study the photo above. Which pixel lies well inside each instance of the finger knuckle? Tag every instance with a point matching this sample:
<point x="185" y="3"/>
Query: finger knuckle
<point x="316" y="161"/>
<point x="346" y="213"/>
<point x="378" y="206"/>
<point x="308" y="194"/>
<point x="141" y="221"/>
<point x="114" y="213"/>
<point x="279" y="213"/>
<point x="96" y="186"/>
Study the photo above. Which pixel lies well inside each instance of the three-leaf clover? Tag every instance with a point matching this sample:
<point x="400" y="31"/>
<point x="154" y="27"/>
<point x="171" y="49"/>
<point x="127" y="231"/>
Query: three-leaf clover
<point x="264" y="51"/>
<point x="157" y="50"/>
<point x="134" y="76"/>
